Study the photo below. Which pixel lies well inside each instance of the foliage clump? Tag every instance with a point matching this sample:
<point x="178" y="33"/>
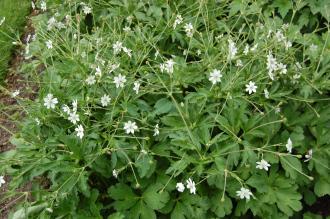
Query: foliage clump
<point x="185" y="109"/>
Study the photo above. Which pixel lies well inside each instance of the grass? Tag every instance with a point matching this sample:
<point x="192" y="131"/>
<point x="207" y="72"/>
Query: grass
<point x="15" y="13"/>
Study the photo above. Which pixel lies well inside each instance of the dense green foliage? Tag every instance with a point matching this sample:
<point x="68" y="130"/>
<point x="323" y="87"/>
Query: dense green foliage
<point x="15" y="13"/>
<point x="131" y="105"/>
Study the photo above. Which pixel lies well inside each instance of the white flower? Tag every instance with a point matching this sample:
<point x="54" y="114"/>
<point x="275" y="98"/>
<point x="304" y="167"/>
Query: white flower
<point x="74" y="117"/>
<point x="117" y="47"/>
<point x="105" y="100"/>
<point x="266" y="93"/>
<point x="113" y="67"/>
<point x="43" y="6"/>
<point x="119" y="80"/>
<point x="33" y="5"/>
<point x="115" y="173"/>
<point x="232" y="50"/>
<point x="87" y="10"/>
<point x="80" y="131"/>
<point x="271" y="65"/>
<point x="313" y="47"/>
<point x="2" y="20"/>
<point x="37" y="121"/>
<point x="244" y="193"/>
<point x="90" y="80"/>
<point x="282" y="68"/>
<point x="309" y="155"/>
<point x="178" y="20"/>
<point x="287" y="44"/>
<point x="66" y="109"/>
<point x="246" y="49"/>
<point x="191" y="186"/>
<point x="98" y="71"/>
<point x="49" y="44"/>
<point x="289" y="145"/>
<point x="277" y="109"/>
<point x="156" y="130"/>
<point x="74" y="105"/>
<point x="239" y="63"/>
<point x="136" y="87"/>
<point x="189" y="29"/>
<point x="130" y="127"/>
<point x="2" y="181"/>
<point x="127" y="51"/>
<point x="251" y="87"/>
<point x="50" y="102"/>
<point x="126" y="29"/>
<point x="168" y="66"/>
<point x="279" y="36"/>
<point x="215" y="76"/>
<point x="263" y="164"/>
<point x="180" y="187"/>
<point x="254" y="48"/>
<point x="15" y="93"/>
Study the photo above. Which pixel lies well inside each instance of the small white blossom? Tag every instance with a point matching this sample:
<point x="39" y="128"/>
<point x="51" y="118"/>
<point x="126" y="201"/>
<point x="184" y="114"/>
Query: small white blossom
<point x="105" y="100"/>
<point x="178" y="20"/>
<point x="232" y="50"/>
<point x="282" y="68"/>
<point x="289" y="145"/>
<point x="309" y="155"/>
<point x="33" y="5"/>
<point x="180" y="187"/>
<point x="271" y="65"/>
<point x="87" y="10"/>
<point x="199" y="52"/>
<point x="189" y="29"/>
<point x="43" y="6"/>
<point x="313" y="47"/>
<point x="126" y="29"/>
<point x="127" y="51"/>
<point x="2" y="20"/>
<point x="215" y="76"/>
<point x="50" y="101"/>
<point x="254" y="48"/>
<point x="266" y="92"/>
<point x="113" y="67"/>
<point x="244" y="193"/>
<point x="136" y="87"/>
<point x="277" y="109"/>
<point x="98" y="71"/>
<point x="191" y="186"/>
<point x="279" y="36"/>
<point x="119" y="80"/>
<point x="74" y="117"/>
<point x="2" y="181"/>
<point x="15" y="93"/>
<point x="90" y="80"/>
<point x="168" y="66"/>
<point x="66" y="109"/>
<point x="115" y="173"/>
<point x="74" y="105"/>
<point x="37" y="121"/>
<point x="117" y="47"/>
<point x="130" y="127"/>
<point x="251" y="87"/>
<point x="246" y="49"/>
<point x="263" y="164"/>
<point x="80" y="131"/>
<point x="49" y="44"/>
<point x="239" y="63"/>
<point x="287" y="44"/>
<point x="156" y="130"/>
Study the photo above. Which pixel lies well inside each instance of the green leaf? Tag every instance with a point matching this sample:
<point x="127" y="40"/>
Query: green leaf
<point x="154" y="197"/>
<point x="142" y="211"/>
<point x="283" y="6"/>
<point x="291" y="165"/>
<point x="23" y="213"/>
<point x="322" y="187"/>
<point x="123" y="196"/>
<point x="163" y="106"/>
<point x="117" y="215"/>
<point x="221" y="207"/>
